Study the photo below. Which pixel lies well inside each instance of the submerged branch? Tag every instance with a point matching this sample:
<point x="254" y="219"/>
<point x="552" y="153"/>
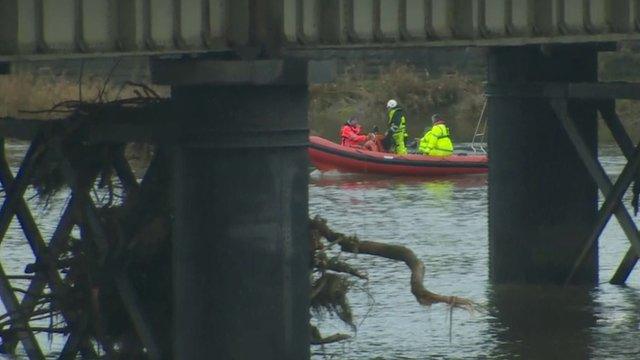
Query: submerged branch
<point x="317" y="339"/>
<point x="337" y="265"/>
<point x="394" y="252"/>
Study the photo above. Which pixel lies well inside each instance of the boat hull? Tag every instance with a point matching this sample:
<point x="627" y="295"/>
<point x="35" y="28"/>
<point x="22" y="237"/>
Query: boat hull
<point x="326" y="155"/>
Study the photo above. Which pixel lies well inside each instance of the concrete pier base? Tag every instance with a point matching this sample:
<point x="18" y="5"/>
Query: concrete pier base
<point x="241" y="257"/>
<point x="542" y="201"/>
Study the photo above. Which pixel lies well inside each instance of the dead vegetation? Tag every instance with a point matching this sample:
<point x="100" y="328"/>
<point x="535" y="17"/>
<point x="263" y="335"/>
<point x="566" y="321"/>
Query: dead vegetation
<point x="623" y="65"/>
<point x="31" y="92"/>
<point x="456" y="96"/>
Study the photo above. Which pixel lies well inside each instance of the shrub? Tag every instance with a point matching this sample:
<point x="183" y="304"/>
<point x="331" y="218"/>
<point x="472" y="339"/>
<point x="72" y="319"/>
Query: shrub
<point x="457" y="97"/>
<point x="29" y="92"/>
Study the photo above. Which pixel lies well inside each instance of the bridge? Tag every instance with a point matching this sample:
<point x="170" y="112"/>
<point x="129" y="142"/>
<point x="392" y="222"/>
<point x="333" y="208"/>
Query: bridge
<point x="34" y="29"/>
<point x="239" y="71"/>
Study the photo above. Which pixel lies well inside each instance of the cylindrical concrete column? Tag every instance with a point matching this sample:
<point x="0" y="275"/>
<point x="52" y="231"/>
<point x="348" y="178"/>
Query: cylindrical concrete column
<point x="542" y="201"/>
<point x="241" y="245"/>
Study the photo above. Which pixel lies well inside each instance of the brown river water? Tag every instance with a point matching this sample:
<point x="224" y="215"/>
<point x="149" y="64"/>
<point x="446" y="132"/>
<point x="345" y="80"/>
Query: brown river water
<point x="444" y="221"/>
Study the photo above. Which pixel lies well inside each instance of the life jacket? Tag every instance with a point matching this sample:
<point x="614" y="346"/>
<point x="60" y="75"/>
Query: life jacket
<point x="397" y="131"/>
<point x="437" y="141"/>
<point x="350" y="136"/>
<point x="396" y="121"/>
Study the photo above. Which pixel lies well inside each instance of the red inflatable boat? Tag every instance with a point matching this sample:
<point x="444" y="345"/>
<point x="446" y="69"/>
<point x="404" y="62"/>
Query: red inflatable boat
<point x="326" y="155"/>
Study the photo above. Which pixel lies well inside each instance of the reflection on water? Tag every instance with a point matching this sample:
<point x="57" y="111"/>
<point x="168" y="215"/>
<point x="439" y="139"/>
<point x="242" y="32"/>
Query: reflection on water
<point x="345" y="180"/>
<point x="444" y="221"/>
<point x="542" y="322"/>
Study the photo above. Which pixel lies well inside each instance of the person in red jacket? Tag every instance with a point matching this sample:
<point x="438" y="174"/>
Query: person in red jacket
<point x="350" y="134"/>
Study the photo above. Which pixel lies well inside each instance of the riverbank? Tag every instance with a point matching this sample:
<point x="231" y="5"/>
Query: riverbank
<point x="361" y="89"/>
<point x="623" y="65"/>
<point x="25" y="92"/>
<point x="457" y="95"/>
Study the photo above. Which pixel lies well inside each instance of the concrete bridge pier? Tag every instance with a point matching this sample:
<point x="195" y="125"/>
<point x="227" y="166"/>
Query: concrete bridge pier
<point x="241" y="248"/>
<point x="542" y="200"/>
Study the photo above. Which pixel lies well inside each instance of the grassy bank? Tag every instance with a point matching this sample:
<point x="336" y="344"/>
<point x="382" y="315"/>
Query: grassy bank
<point x="621" y="66"/>
<point x="456" y="96"/>
<point x="23" y="92"/>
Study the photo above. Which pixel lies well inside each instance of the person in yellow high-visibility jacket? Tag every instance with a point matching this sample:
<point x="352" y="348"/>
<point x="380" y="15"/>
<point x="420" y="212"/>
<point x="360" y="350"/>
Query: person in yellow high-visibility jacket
<point x="437" y="141"/>
<point x="397" y="128"/>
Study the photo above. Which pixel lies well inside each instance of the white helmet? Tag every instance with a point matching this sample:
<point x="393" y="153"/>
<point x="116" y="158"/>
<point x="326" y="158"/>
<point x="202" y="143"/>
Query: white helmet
<point x="391" y="104"/>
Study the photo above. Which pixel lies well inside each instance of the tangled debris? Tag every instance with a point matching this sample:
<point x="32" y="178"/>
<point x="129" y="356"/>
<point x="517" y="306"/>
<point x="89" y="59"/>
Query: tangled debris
<point x="124" y="250"/>
<point x="95" y="279"/>
<point x="131" y="239"/>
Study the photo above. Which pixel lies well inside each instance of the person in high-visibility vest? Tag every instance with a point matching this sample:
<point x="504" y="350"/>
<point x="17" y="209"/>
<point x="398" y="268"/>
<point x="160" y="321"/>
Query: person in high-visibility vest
<point x="437" y="141"/>
<point x="397" y="128"/>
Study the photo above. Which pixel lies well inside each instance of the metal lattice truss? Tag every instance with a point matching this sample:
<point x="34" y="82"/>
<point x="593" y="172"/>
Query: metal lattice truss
<point x="603" y="96"/>
<point x="80" y="211"/>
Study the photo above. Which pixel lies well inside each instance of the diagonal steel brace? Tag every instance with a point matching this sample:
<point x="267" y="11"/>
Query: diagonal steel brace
<point x="611" y="193"/>
<point x="43" y="253"/>
<point x="128" y="296"/>
<point x="607" y="110"/>
<point x="14" y="194"/>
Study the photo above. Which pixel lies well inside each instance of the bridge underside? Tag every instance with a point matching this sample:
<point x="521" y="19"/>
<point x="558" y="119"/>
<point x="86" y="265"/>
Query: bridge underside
<point x="35" y="29"/>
